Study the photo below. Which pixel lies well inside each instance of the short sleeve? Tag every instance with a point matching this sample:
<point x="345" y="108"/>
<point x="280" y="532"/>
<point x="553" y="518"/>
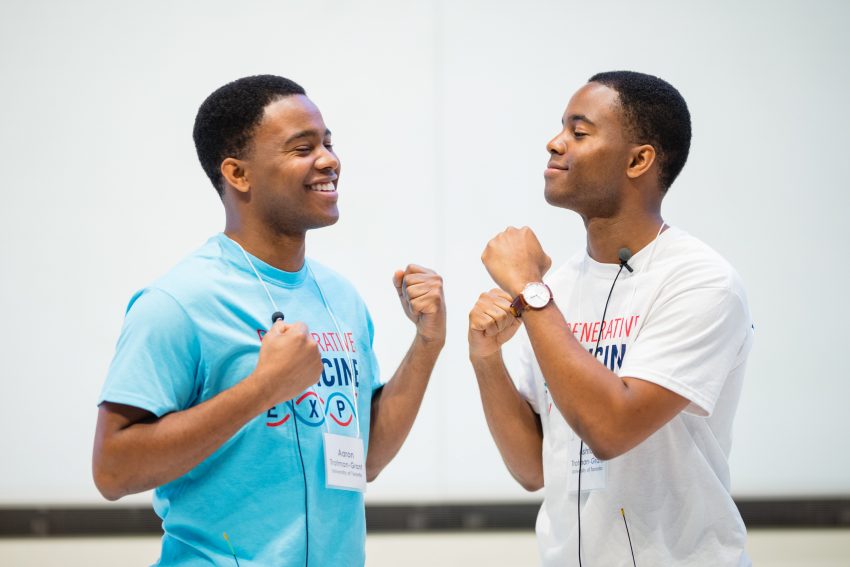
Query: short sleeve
<point x="157" y="357"/>
<point x="690" y="343"/>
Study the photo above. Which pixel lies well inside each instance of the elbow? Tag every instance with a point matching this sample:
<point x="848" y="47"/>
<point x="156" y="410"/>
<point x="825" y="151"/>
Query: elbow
<point x="606" y="448"/>
<point x="372" y="471"/>
<point x="108" y="488"/>
<point x="531" y="484"/>
<point x="604" y="453"/>
<point x="108" y="483"/>
<point x="111" y="496"/>
<point x="530" y="479"/>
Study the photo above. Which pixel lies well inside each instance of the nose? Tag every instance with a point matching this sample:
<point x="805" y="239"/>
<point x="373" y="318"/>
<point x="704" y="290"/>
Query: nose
<point x="327" y="160"/>
<point x="557" y="145"/>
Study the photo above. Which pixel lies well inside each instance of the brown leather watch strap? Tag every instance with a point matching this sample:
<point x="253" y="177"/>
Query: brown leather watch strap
<point x="518" y="305"/>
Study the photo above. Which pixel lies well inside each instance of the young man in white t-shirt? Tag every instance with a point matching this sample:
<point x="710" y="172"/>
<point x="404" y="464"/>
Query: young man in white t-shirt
<point x="634" y="351"/>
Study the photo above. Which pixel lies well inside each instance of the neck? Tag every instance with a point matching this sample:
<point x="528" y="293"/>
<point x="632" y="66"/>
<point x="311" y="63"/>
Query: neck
<point x="283" y="251"/>
<point x="605" y="236"/>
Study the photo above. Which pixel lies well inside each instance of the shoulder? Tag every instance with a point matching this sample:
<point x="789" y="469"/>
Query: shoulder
<point x="195" y="276"/>
<point x="690" y="263"/>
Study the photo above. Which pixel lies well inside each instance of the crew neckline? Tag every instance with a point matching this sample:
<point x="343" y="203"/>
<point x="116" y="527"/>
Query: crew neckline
<point x="269" y="273"/>
<point x="638" y="261"/>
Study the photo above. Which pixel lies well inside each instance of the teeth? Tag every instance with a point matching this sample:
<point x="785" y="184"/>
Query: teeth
<point x="323" y="187"/>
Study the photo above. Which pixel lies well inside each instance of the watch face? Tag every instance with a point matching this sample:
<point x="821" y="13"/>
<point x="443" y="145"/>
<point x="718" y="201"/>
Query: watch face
<point x="536" y="295"/>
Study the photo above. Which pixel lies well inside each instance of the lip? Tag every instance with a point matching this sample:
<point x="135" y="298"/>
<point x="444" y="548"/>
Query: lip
<point x="331" y="195"/>
<point x="552" y="169"/>
<point x="323" y="180"/>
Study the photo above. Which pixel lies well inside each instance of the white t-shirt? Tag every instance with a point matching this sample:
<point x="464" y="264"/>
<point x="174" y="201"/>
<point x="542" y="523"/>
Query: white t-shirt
<point x="681" y="321"/>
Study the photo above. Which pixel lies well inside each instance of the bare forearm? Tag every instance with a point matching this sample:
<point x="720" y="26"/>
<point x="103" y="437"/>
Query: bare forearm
<point x="145" y="455"/>
<point x="611" y="414"/>
<point x="395" y="407"/>
<point x="512" y="423"/>
<point x="591" y="398"/>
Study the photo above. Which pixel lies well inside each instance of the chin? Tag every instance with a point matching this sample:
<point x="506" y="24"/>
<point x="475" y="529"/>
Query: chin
<point x="559" y="199"/>
<point x="328" y="220"/>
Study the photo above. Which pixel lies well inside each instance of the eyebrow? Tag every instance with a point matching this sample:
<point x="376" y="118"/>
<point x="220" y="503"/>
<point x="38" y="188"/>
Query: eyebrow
<point x="305" y="134"/>
<point x="580" y="118"/>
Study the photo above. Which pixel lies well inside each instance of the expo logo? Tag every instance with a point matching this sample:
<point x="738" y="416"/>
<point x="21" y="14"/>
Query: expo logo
<point x="340" y="409"/>
<point x="311" y="409"/>
<point x="310" y="405"/>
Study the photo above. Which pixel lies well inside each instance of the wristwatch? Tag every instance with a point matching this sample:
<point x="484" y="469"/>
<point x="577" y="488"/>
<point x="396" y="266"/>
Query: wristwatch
<point x="535" y="295"/>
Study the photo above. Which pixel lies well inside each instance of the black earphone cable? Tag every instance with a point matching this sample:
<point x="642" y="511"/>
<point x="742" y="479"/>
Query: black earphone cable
<point x="304" y="478"/>
<point x="581" y="443"/>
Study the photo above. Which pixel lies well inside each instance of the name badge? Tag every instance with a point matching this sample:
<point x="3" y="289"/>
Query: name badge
<point x="345" y="465"/>
<point x="594" y="473"/>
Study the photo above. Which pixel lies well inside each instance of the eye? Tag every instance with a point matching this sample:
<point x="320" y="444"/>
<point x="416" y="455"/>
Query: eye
<point x="578" y="134"/>
<point x="303" y="149"/>
<point x="329" y="146"/>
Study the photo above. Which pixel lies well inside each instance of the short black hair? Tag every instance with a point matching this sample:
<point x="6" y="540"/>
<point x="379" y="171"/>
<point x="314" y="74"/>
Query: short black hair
<point x="226" y="119"/>
<point x="655" y="114"/>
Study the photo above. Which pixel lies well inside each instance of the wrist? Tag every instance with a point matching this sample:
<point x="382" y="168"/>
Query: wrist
<point x="429" y="342"/>
<point x="534" y="296"/>
<point x="255" y="391"/>
<point x="530" y="314"/>
<point x="517" y="284"/>
<point x="485" y="359"/>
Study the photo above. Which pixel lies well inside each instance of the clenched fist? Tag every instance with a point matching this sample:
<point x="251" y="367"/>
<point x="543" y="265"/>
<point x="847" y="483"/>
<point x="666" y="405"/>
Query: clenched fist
<point x="514" y="258"/>
<point x="420" y="291"/>
<point x="289" y="362"/>
<point x="491" y="323"/>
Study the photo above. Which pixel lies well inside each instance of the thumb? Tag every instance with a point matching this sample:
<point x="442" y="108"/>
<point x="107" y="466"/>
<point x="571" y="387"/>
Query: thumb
<point x="398" y="277"/>
<point x="280" y="327"/>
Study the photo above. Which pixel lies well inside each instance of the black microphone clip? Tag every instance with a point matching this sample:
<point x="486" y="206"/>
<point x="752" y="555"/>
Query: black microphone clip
<point x="625" y="255"/>
<point x="277" y="315"/>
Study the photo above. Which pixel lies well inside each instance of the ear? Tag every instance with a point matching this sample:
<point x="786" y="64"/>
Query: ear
<point x="641" y="159"/>
<point x="235" y="174"/>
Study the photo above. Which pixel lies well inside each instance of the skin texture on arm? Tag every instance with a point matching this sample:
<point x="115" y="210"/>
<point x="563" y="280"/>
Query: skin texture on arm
<point x="134" y="451"/>
<point x="394" y="407"/>
<point x="612" y="414"/>
<point x="512" y="422"/>
<point x="515" y="427"/>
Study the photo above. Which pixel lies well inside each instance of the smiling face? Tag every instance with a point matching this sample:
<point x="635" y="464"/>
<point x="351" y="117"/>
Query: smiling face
<point x="292" y="169"/>
<point x="589" y="157"/>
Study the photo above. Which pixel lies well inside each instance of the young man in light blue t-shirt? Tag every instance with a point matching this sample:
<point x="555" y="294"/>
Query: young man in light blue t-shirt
<point x="263" y="430"/>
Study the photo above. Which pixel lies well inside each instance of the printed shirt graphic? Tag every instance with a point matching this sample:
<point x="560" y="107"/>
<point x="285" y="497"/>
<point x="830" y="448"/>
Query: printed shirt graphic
<point x="196" y="332"/>
<point x="681" y="321"/>
<point x="333" y="396"/>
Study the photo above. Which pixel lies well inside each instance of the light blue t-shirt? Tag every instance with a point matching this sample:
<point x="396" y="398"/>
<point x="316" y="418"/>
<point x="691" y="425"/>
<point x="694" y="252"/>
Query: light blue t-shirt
<point x="196" y="332"/>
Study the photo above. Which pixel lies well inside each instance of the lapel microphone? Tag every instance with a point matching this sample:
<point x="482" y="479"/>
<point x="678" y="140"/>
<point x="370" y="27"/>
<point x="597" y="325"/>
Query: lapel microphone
<point x="277" y="315"/>
<point x="625" y="255"/>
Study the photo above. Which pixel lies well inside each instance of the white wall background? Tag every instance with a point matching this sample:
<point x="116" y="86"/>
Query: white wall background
<point x="440" y="112"/>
